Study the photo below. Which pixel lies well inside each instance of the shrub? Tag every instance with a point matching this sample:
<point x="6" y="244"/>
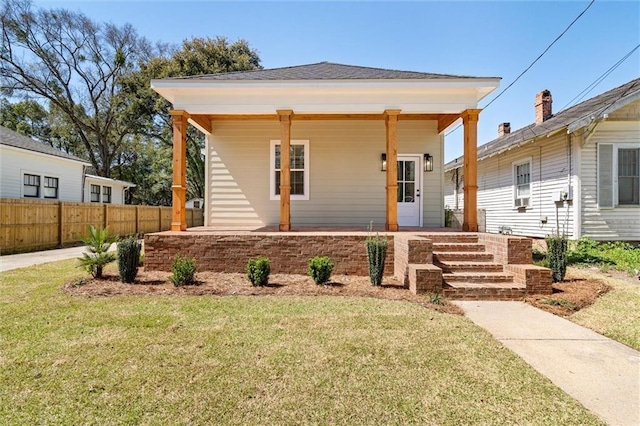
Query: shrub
<point x="320" y="269"/>
<point x="98" y="256"/>
<point x="376" y="255"/>
<point x="557" y="256"/>
<point x="128" y="259"/>
<point x="258" y="271"/>
<point x="183" y="271"/>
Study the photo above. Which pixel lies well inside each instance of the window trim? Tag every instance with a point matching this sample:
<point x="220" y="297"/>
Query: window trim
<point x="105" y="193"/>
<point x="57" y="187"/>
<point x="272" y="169"/>
<point x="616" y="183"/>
<point x="514" y="178"/>
<point x="99" y="193"/>
<point x="38" y="191"/>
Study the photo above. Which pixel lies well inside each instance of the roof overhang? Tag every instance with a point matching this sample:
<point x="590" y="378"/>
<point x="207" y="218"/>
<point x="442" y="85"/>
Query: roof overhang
<point x="109" y="180"/>
<point x="599" y="115"/>
<point x="438" y="96"/>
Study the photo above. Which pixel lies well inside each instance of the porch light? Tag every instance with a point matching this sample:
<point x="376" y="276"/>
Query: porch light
<point x="383" y="160"/>
<point x="428" y="163"/>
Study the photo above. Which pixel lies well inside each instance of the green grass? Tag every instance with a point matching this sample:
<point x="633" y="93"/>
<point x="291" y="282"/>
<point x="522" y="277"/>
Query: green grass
<point x="613" y="255"/>
<point x="616" y="314"/>
<point x="254" y="360"/>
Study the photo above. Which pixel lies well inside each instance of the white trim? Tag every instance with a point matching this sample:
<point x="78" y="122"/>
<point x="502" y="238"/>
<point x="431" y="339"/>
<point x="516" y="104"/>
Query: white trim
<point x="272" y="169"/>
<point x="577" y="188"/>
<point x="42" y="176"/>
<point x="514" y="164"/>
<point x="616" y="187"/>
<point x="207" y="177"/>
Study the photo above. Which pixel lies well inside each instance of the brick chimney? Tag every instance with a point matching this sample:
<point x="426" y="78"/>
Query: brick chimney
<point x="504" y="129"/>
<point x="543" y="106"/>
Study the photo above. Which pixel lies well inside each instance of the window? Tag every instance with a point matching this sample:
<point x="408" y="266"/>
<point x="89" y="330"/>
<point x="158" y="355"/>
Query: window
<point x="95" y="193"/>
<point x="299" y="170"/>
<point x="618" y="175"/>
<point x="196" y="204"/>
<point x="522" y="184"/>
<point x="50" y="187"/>
<point x="628" y="176"/>
<point x="106" y="194"/>
<point x="31" y="185"/>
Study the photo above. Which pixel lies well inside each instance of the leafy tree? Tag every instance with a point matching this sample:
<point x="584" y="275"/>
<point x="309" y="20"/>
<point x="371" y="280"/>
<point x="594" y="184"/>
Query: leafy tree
<point x="76" y="64"/>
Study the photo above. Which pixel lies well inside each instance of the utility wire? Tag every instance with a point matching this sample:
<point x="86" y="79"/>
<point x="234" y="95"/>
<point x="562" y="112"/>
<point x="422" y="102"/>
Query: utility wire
<point x="599" y="80"/>
<point x="533" y="63"/>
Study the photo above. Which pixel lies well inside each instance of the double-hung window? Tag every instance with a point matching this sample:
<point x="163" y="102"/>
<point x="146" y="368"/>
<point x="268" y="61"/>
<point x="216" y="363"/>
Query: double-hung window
<point x="522" y="184"/>
<point x="31" y="186"/>
<point x="629" y="176"/>
<point x="106" y="194"/>
<point x="299" y="169"/>
<point x="618" y="175"/>
<point x="95" y="193"/>
<point x="50" y="187"/>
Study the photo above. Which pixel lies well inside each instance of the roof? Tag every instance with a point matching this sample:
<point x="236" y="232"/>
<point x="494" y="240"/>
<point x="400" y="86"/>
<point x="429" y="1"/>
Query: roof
<point x="10" y="138"/>
<point x="106" y="179"/>
<point x="573" y="118"/>
<point x="326" y="71"/>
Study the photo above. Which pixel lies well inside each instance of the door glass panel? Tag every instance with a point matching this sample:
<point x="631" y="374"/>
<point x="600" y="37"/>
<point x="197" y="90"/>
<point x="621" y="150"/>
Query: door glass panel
<point x="400" y="170"/>
<point x="400" y="193"/>
<point x="409" y="192"/>
<point x="410" y="171"/>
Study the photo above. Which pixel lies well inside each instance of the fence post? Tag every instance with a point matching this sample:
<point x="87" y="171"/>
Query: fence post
<point x="60" y="223"/>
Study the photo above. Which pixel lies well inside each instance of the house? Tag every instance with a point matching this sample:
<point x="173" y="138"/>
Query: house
<point x="195" y="203"/>
<point x="574" y="172"/>
<point x="33" y="170"/>
<point x="323" y="144"/>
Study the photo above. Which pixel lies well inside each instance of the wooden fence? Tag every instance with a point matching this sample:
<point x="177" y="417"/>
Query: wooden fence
<point x="28" y="225"/>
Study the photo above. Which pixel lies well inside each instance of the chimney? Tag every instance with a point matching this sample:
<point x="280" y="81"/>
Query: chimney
<point x="543" y="106"/>
<point x="504" y="129"/>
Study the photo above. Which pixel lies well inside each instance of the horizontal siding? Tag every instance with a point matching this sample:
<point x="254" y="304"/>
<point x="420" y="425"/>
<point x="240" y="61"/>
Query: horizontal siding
<point x="620" y="223"/>
<point x="550" y="173"/>
<point x="346" y="184"/>
<point x="15" y="162"/>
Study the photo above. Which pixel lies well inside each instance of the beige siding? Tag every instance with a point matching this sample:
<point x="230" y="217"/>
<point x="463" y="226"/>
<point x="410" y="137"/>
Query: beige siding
<point x="346" y="184"/>
<point x="619" y="223"/>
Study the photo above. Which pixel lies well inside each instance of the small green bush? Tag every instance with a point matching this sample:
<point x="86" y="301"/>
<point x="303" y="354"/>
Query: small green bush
<point x="557" y="256"/>
<point x="320" y="269"/>
<point x="258" y="271"/>
<point x="183" y="271"/>
<point x="128" y="259"/>
<point x="98" y="256"/>
<point x="376" y="255"/>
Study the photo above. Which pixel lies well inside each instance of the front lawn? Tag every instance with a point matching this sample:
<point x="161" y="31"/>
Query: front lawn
<point x="254" y="360"/>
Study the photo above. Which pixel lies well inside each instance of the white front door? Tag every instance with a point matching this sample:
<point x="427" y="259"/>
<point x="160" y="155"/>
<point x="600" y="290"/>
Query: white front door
<point x="409" y="189"/>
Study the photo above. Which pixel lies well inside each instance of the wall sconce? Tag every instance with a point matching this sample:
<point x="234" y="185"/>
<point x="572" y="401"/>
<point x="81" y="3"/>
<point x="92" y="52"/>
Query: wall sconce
<point x="428" y="163"/>
<point x="383" y="161"/>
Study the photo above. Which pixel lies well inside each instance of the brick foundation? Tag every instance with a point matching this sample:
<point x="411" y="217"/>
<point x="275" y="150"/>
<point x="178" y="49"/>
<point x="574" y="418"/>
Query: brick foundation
<point x="507" y="249"/>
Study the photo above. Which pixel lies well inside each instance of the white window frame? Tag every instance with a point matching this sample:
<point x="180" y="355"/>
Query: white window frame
<point x="44" y="187"/>
<point x="514" y="165"/>
<point x="616" y="183"/>
<point x="91" y="193"/>
<point x="106" y="193"/>
<point x="39" y="193"/>
<point x="272" y="170"/>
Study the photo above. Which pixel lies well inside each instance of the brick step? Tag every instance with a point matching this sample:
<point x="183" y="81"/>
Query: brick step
<point x="457" y="266"/>
<point x="455" y="237"/>
<point x="462" y="256"/>
<point x="483" y="291"/>
<point x="478" y="277"/>
<point x="458" y="247"/>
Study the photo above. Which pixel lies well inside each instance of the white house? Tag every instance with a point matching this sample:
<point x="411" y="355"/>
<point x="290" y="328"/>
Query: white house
<point x="33" y="170"/>
<point x="364" y="144"/>
<point x="575" y="172"/>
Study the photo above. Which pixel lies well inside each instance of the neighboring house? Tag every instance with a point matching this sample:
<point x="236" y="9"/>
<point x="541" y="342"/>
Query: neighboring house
<point x="365" y="144"/>
<point x="99" y="189"/>
<point x="33" y="170"/>
<point x="575" y="172"/>
<point x="195" y="203"/>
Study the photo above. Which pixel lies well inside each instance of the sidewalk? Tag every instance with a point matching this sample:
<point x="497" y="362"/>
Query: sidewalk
<point x="15" y="261"/>
<point x="602" y="374"/>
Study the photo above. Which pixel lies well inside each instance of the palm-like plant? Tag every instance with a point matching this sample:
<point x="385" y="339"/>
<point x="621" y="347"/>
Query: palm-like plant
<point x="98" y="242"/>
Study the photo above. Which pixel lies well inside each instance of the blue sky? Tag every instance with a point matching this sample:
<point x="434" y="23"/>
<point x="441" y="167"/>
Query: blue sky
<point x="499" y="38"/>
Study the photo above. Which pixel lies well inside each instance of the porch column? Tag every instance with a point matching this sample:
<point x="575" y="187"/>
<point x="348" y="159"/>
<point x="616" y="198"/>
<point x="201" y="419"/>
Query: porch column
<point x="179" y="187"/>
<point x="391" y="124"/>
<point x="470" y="167"/>
<point x="285" y="169"/>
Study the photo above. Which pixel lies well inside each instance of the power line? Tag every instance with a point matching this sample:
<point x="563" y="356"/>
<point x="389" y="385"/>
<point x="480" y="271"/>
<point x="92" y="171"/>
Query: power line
<point x="534" y="62"/>
<point x="599" y="80"/>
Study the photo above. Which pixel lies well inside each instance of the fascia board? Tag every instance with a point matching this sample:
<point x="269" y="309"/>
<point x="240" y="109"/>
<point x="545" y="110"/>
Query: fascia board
<point x="596" y="115"/>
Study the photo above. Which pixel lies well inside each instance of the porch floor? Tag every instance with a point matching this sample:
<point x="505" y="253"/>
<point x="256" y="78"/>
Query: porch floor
<point x="311" y="230"/>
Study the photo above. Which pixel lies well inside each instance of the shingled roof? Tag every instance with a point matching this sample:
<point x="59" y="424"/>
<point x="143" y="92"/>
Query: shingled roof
<point x="327" y="71"/>
<point x="10" y="138"/>
<point x="572" y="118"/>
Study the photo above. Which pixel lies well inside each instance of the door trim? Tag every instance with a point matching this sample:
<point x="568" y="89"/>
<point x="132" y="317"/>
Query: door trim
<point x="420" y="175"/>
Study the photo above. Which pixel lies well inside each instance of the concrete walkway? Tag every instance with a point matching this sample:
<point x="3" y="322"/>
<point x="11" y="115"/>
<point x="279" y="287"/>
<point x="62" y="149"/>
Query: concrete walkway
<point x="602" y="374"/>
<point x="15" y="261"/>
